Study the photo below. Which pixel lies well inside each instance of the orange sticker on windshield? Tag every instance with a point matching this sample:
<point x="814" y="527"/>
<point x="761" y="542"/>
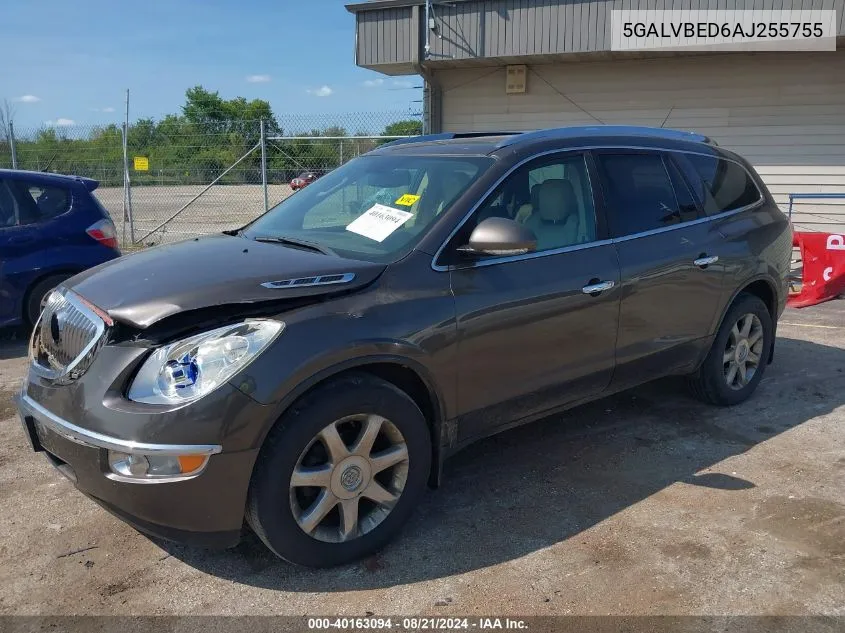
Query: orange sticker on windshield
<point x="407" y="200"/>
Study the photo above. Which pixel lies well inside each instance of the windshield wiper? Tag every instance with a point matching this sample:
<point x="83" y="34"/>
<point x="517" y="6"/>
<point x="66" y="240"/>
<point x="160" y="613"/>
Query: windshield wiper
<point x="292" y="241"/>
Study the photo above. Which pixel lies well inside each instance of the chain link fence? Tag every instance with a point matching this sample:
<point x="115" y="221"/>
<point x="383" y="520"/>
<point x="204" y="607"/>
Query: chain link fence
<point x="184" y="178"/>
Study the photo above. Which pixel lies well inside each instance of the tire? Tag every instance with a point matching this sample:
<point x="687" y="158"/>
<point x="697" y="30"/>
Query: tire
<point x="275" y="505"/>
<point x="37" y="294"/>
<point x="711" y="382"/>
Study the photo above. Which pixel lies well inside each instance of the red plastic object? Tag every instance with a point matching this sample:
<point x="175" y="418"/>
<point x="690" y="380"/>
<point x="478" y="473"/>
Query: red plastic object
<point x="823" y="277"/>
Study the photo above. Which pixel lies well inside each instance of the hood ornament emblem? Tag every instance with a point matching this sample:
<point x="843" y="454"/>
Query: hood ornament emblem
<point x="56" y="327"/>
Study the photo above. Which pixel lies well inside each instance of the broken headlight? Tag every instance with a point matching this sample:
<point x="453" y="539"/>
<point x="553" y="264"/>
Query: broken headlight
<point x="189" y="369"/>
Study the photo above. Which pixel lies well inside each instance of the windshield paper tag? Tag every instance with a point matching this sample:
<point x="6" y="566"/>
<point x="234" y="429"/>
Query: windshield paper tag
<point x="407" y="200"/>
<point x="378" y="222"/>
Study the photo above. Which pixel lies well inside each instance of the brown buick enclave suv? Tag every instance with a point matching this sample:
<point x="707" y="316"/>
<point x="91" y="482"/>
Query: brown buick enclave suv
<point x="311" y="371"/>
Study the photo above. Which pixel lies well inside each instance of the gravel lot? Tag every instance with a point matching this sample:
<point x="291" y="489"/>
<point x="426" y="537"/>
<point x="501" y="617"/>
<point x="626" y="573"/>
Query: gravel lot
<point x="220" y="208"/>
<point x="644" y="503"/>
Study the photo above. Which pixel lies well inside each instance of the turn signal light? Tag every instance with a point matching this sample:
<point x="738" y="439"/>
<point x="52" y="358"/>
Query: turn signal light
<point x="190" y="463"/>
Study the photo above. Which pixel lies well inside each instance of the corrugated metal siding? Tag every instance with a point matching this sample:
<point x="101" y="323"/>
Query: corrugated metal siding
<point x="385" y="37"/>
<point x="784" y="112"/>
<point x="509" y="28"/>
<point x="496" y="29"/>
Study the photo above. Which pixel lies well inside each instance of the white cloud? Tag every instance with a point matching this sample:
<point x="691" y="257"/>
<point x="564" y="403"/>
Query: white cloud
<point x="403" y="83"/>
<point x="28" y="99"/>
<point x="322" y="91"/>
<point x="60" y="122"/>
<point x="258" y="79"/>
<point x="373" y="83"/>
<point x="108" y="109"/>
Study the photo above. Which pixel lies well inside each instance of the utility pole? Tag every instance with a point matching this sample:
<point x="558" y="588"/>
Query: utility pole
<point x="264" y="166"/>
<point x="12" y="144"/>
<point x="127" y="187"/>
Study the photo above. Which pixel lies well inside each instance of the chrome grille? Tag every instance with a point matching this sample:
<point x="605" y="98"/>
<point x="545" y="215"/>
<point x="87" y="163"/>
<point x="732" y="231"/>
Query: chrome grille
<point x="66" y="338"/>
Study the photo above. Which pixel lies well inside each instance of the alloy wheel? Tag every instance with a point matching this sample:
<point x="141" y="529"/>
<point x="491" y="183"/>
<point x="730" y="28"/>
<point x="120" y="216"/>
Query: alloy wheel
<point x="349" y="478"/>
<point x="743" y="351"/>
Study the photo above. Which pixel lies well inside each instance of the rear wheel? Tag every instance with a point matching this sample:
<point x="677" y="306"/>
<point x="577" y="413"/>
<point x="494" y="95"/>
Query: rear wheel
<point x="37" y="296"/>
<point x="739" y="355"/>
<point x="340" y="472"/>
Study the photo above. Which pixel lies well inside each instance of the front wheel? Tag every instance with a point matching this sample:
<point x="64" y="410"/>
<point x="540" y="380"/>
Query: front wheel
<point x="340" y="472"/>
<point x="739" y="355"/>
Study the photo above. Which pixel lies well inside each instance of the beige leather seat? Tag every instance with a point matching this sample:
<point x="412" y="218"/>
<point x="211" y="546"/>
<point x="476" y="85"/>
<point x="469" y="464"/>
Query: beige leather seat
<point x="555" y="221"/>
<point x="524" y="212"/>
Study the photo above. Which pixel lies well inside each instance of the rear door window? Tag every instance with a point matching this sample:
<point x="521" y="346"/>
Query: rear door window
<point x="640" y="193"/>
<point x="37" y="202"/>
<point x="720" y="185"/>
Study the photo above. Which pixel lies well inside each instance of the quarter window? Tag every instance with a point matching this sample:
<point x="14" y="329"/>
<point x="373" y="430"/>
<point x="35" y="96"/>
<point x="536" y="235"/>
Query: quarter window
<point x="720" y="185"/>
<point x="640" y="194"/>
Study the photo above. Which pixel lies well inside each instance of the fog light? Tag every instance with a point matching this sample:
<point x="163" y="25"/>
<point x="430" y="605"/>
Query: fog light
<point x="137" y="464"/>
<point x="155" y="467"/>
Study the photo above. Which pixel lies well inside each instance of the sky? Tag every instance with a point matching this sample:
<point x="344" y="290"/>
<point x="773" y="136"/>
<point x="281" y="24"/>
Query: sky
<point x="70" y="62"/>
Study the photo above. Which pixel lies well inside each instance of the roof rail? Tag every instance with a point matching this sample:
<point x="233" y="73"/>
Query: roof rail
<point x="445" y="136"/>
<point x="608" y="130"/>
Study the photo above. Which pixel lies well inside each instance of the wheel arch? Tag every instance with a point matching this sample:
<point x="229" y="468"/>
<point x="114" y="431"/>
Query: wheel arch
<point x="763" y="288"/>
<point x="60" y="271"/>
<point x="406" y="374"/>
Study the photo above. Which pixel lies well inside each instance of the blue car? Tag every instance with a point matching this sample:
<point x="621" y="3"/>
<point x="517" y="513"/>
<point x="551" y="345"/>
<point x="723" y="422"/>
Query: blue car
<point x="51" y="228"/>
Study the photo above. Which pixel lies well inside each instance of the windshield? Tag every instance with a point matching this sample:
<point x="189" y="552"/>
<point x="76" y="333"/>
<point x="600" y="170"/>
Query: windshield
<point x="373" y="208"/>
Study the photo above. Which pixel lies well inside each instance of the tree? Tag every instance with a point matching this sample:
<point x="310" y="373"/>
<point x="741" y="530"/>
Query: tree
<point x="141" y="135"/>
<point x="205" y="107"/>
<point x="411" y="127"/>
<point x="193" y="146"/>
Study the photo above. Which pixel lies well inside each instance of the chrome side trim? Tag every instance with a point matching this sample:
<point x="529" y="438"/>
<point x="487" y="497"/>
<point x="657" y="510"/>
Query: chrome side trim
<point x="308" y="282"/>
<point x="675" y="227"/>
<point x="557" y="251"/>
<point x="161" y="480"/>
<point x="489" y="261"/>
<point x="93" y="439"/>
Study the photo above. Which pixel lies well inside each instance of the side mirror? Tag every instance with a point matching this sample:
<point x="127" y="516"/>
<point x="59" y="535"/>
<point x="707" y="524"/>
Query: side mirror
<point x="500" y="236"/>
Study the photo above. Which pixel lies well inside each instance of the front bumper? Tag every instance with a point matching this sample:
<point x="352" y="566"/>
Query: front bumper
<point x="206" y="509"/>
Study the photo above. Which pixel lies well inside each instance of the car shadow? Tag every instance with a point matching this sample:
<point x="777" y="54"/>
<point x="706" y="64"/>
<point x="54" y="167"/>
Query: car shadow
<point x="543" y="483"/>
<point x="13" y="342"/>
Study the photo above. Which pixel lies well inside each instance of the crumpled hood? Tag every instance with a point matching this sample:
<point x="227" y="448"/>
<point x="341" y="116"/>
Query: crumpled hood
<point x="148" y="286"/>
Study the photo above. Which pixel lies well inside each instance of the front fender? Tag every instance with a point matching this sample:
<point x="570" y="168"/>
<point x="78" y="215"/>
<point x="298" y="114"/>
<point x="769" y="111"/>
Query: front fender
<point x="294" y="365"/>
<point x="392" y="354"/>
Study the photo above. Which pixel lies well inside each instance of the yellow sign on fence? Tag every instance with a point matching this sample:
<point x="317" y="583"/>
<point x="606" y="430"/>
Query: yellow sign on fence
<point x="142" y="163"/>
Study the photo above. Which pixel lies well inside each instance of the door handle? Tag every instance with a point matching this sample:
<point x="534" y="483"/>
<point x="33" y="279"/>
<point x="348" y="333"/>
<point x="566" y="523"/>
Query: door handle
<point x="703" y="262"/>
<point x="596" y="288"/>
